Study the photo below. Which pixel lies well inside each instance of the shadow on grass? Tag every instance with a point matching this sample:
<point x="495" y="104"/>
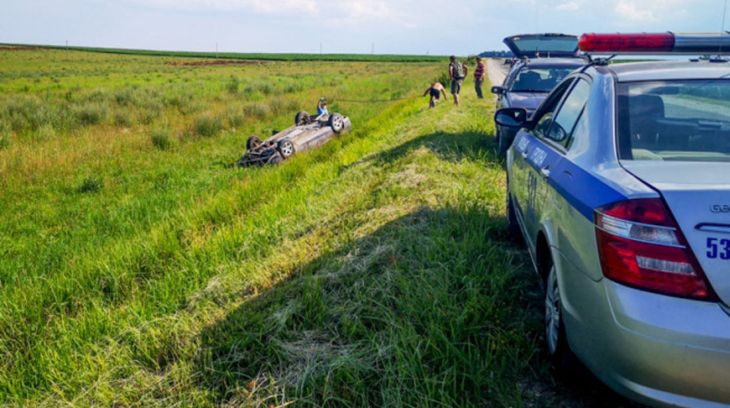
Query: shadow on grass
<point x="471" y="145"/>
<point x="423" y="311"/>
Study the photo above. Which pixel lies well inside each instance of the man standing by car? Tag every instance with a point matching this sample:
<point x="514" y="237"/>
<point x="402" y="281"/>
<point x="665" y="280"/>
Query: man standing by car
<point x="479" y="76"/>
<point x="457" y="73"/>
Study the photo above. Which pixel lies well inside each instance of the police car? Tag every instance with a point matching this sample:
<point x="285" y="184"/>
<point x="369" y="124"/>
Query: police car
<point x="542" y="61"/>
<point x="620" y="185"/>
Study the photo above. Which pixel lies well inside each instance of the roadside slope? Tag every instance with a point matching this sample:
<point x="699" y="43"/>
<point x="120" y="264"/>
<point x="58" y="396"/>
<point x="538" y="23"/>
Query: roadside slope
<point x="374" y="271"/>
<point x="381" y="275"/>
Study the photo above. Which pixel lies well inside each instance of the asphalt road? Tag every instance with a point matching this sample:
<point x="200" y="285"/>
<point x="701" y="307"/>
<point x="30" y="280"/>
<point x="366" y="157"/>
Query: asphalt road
<point x="496" y="71"/>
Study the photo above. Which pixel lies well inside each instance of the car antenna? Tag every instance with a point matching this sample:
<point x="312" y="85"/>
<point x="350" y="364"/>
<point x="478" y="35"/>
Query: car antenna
<point x="599" y="61"/>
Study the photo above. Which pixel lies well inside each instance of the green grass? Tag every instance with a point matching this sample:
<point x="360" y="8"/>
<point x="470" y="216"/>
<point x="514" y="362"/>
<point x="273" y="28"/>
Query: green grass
<point x="248" y="56"/>
<point x="373" y="271"/>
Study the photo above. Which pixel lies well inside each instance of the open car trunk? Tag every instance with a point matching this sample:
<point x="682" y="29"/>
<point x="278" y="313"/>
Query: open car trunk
<point x="543" y="45"/>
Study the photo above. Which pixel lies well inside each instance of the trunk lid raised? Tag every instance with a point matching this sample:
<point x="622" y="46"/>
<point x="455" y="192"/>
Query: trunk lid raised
<point x="546" y="45"/>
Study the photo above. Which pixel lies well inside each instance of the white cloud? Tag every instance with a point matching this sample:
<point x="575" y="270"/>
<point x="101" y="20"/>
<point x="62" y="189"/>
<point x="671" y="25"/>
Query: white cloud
<point x="258" y="6"/>
<point x="569" y="5"/>
<point x="319" y="8"/>
<point x="648" y="10"/>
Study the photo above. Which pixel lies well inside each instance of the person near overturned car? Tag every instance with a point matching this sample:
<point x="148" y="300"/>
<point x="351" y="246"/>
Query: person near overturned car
<point x="435" y="91"/>
<point x="457" y="73"/>
<point x="322" y="111"/>
<point x="479" y="77"/>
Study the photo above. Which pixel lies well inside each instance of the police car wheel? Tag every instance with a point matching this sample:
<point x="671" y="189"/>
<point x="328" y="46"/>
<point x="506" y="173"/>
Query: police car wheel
<point x="502" y="144"/>
<point x="556" y="342"/>
<point x="513" y="226"/>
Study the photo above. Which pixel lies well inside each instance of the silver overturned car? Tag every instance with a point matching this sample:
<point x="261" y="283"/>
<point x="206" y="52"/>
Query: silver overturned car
<point x="307" y="132"/>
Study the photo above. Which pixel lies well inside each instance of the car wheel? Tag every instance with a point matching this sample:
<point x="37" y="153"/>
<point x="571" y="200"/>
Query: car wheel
<point x="513" y="227"/>
<point x="556" y="342"/>
<point x="286" y="148"/>
<point x="502" y="144"/>
<point x="302" y="118"/>
<point x="253" y="142"/>
<point x="337" y="122"/>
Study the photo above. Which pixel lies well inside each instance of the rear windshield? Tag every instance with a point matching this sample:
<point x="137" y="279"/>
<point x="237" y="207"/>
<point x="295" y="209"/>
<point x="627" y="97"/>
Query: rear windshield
<point x="546" y="44"/>
<point x="539" y="79"/>
<point x="675" y="120"/>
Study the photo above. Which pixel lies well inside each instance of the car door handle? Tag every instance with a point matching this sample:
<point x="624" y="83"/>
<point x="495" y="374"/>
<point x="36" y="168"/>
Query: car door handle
<point x="545" y="171"/>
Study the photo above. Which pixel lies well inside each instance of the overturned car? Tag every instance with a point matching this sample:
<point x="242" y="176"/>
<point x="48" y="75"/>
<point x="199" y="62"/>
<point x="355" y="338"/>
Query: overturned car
<point x="308" y="132"/>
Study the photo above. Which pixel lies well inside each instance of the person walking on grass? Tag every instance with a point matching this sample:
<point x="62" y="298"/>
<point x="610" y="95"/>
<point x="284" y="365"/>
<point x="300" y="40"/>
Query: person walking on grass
<point x="457" y="73"/>
<point x="480" y="75"/>
<point x="436" y="90"/>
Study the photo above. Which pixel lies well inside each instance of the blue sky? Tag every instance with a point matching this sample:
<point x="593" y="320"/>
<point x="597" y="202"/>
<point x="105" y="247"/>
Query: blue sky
<point x="341" y="26"/>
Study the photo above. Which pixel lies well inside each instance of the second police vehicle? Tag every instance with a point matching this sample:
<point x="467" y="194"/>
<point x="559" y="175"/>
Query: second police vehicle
<point x="620" y="185"/>
<point x="541" y="62"/>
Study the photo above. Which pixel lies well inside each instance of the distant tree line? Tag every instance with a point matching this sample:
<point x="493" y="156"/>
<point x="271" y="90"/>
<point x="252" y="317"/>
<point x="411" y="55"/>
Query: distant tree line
<point x="496" y="54"/>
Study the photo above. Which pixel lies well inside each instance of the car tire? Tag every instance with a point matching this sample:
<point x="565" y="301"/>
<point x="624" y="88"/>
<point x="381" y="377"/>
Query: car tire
<point x="285" y="148"/>
<point x="253" y="142"/>
<point x="502" y="145"/>
<point x="301" y="118"/>
<point x="513" y="226"/>
<point x="336" y="122"/>
<point x="556" y="342"/>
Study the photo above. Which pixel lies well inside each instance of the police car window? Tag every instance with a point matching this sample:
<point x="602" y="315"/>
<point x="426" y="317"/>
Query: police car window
<point x="545" y="113"/>
<point x="538" y="79"/>
<point x="565" y="120"/>
<point x="686" y="120"/>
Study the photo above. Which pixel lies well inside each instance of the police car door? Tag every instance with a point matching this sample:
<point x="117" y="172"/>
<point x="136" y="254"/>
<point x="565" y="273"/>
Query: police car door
<point x="531" y="162"/>
<point x="550" y="151"/>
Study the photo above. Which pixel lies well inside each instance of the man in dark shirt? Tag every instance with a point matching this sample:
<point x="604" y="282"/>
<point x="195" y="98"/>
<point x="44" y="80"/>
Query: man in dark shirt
<point x="479" y="77"/>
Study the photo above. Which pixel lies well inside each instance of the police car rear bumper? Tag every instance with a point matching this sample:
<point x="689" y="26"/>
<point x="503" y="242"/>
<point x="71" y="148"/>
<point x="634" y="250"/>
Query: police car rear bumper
<point x="659" y="350"/>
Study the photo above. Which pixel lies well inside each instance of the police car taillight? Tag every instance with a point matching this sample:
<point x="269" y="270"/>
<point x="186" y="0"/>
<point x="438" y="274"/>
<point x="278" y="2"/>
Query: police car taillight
<point x="641" y="245"/>
<point x="655" y="43"/>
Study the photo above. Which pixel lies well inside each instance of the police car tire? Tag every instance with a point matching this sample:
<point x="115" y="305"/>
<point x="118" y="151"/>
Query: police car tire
<point x="559" y="354"/>
<point x="502" y="144"/>
<point x="513" y="227"/>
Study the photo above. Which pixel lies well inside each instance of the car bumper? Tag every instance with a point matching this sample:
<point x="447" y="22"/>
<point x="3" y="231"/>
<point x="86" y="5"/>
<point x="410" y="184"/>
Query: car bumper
<point x="656" y="349"/>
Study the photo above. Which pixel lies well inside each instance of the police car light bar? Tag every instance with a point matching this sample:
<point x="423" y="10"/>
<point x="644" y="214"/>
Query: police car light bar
<point x="656" y="43"/>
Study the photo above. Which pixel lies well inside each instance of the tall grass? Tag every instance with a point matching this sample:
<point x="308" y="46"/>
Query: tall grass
<point x="371" y="271"/>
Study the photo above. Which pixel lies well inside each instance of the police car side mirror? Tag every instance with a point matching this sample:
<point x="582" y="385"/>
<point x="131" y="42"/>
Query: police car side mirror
<point x="511" y="117"/>
<point x="498" y="90"/>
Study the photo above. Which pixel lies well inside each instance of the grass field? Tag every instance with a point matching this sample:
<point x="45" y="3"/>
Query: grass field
<point x="138" y="267"/>
<point x="248" y="56"/>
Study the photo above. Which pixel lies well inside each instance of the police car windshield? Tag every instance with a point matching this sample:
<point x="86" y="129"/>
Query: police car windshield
<point x="539" y="80"/>
<point x="675" y="120"/>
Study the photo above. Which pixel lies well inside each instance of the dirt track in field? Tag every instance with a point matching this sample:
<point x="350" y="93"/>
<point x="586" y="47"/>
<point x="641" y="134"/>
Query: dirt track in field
<point x="206" y="63"/>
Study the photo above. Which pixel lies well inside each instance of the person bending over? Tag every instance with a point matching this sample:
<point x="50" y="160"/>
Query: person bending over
<point x="435" y="91"/>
